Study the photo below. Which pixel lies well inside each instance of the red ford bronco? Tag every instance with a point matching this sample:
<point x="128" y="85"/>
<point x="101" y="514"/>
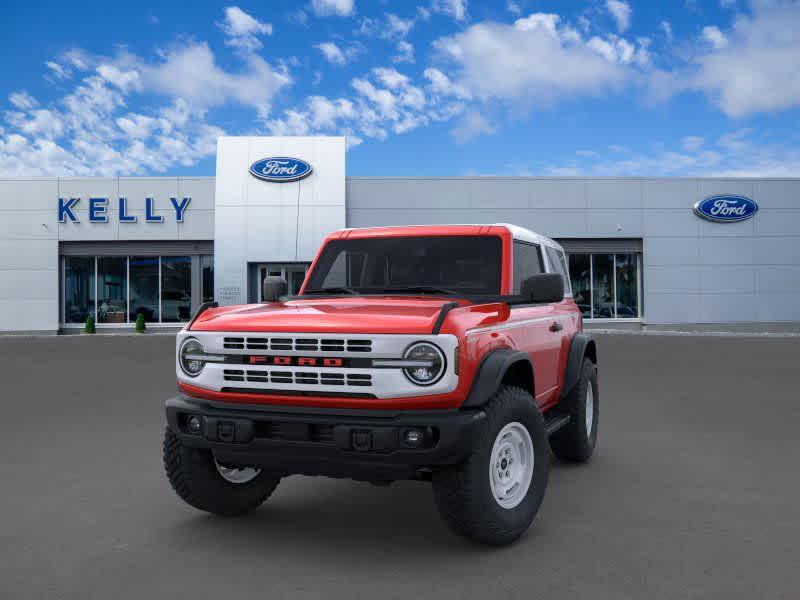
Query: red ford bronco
<point x="450" y="354"/>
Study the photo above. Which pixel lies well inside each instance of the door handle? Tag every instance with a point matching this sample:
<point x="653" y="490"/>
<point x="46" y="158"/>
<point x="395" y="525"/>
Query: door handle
<point x="556" y="326"/>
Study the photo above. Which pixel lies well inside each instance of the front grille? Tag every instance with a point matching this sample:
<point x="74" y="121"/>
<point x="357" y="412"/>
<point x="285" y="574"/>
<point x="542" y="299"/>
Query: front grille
<point x="297" y="377"/>
<point x="297" y="344"/>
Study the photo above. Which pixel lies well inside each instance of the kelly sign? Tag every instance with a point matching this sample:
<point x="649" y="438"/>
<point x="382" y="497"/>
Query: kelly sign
<point x="98" y="210"/>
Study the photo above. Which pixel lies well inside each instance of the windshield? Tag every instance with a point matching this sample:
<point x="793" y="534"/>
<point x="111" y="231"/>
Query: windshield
<point x="468" y="265"/>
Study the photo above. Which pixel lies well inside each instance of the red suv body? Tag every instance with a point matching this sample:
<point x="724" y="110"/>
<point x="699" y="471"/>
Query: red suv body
<point x="389" y="362"/>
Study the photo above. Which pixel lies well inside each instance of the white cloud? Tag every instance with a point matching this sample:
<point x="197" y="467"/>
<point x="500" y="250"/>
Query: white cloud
<point x="727" y="3"/>
<point x="441" y="84"/>
<point x="127" y="80"/>
<point x="243" y="29"/>
<point x="398" y="27"/>
<point x="735" y="154"/>
<point x="339" y="8"/>
<point x="385" y="101"/>
<point x="91" y="130"/>
<point x="692" y="143"/>
<point x="536" y="60"/>
<point x="336" y="55"/>
<point x="715" y="37"/>
<point x="191" y="72"/>
<point x="471" y="125"/>
<point x="453" y="8"/>
<point x="57" y="70"/>
<point x="22" y="100"/>
<point x="405" y="53"/>
<point x="621" y="11"/>
<point x="514" y="8"/>
<point x="758" y="70"/>
<point x="666" y="27"/>
<point x="391" y="27"/>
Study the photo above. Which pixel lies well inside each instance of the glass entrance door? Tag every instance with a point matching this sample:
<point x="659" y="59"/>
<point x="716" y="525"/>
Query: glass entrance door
<point x="292" y="273"/>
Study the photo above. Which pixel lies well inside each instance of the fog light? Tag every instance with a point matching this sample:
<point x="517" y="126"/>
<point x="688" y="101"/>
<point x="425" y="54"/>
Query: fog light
<point x="413" y="438"/>
<point x="193" y="424"/>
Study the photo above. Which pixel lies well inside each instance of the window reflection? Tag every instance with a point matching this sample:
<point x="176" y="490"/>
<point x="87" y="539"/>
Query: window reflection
<point x="603" y="286"/>
<point x="627" y="286"/>
<point x="207" y="267"/>
<point x="580" y="274"/>
<point x="594" y="277"/>
<point x="176" y="288"/>
<point x="144" y="288"/>
<point x="78" y="288"/>
<point x="111" y="289"/>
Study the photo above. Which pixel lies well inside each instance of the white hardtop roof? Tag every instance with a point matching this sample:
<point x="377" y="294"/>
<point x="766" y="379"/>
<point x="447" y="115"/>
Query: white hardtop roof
<point x="518" y="233"/>
<point x="526" y="235"/>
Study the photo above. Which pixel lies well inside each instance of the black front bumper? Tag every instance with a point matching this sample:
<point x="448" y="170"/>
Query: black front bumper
<point x="358" y="444"/>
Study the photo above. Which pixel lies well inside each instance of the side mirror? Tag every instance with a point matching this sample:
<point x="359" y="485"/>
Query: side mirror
<point x="544" y="288"/>
<point x="273" y="288"/>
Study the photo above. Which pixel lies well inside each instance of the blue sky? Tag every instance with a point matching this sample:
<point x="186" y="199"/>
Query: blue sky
<point x="438" y="87"/>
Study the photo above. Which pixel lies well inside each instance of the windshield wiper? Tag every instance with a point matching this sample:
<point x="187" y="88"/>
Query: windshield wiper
<point x="422" y="289"/>
<point x="332" y="290"/>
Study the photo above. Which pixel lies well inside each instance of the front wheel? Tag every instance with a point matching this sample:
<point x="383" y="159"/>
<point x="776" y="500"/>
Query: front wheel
<point x="575" y="442"/>
<point x="493" y="496"/>
<point x="208" y="485"/>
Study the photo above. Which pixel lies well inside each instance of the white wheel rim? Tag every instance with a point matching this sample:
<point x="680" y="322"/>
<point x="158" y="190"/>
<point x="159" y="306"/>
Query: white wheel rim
<point x="589" y="409"/>
<point x="511" y="466"/>
<point x="237" y="474"/>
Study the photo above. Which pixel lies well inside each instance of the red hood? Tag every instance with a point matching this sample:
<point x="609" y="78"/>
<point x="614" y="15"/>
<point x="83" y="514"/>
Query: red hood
<point x="338" y="315"/>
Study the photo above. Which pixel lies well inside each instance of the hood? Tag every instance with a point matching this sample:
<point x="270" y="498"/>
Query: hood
<point x="337" y="315"/>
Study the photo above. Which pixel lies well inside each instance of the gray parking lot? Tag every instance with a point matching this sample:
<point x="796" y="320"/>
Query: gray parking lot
<point x="693" y="492"/>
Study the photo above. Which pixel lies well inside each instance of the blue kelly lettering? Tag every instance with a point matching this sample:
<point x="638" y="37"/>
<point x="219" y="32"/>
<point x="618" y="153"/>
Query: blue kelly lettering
<point x="65" y="210"/>
<point x="149" y="215"/>
<point x="180" y="208"/>
<point x="124" y="217"/>
<point x="97" y="210"/>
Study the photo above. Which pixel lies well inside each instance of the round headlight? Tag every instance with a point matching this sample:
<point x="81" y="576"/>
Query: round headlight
<point x="190" y="357"/>
<point x="431" y="363"/>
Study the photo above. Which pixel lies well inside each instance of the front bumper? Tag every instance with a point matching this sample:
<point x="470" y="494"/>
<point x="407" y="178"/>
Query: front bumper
<point x="357" y="444"/>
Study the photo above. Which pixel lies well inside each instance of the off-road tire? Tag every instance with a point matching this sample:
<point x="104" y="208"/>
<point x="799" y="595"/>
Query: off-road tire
<point x="463" y="492"/>
<point x="194" y="477"/>
<point x="573" y="443"/>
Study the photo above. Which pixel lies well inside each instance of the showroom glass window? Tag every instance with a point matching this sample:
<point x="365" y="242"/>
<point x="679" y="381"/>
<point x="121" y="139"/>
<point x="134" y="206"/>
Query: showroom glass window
<point x="78" y="288"/>
<point x="112" y="289"/>
<point x="116" y="289"/>
<point x="207" y="273"/>
<point x="144" y="288"/>
<point x="176" y="289"/>
<point x="606" y="286"/>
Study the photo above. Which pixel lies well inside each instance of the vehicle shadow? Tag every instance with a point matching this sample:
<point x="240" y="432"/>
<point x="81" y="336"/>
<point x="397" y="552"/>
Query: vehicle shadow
<point x="333" y="518"/>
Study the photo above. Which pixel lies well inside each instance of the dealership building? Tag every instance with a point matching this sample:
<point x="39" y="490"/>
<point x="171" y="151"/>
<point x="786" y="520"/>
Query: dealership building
<point x="643" y="252"/>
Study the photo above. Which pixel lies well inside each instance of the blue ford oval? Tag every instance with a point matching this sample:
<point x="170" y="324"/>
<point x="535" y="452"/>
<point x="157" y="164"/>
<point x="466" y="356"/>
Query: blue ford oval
<point x="280" y="169"/>
<point x="726" y="209"/>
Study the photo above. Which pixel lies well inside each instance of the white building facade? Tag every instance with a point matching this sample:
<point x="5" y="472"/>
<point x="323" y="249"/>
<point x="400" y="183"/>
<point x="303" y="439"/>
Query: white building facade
<point x="639" y="252"/>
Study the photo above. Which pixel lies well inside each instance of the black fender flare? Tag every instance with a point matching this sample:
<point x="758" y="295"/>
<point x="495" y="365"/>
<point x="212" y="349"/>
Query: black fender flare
<point x="582" y="345"/>
<point x="490" y="375"/>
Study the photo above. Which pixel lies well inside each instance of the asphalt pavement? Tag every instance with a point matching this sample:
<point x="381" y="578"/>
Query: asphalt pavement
<point x="692" y="493"/>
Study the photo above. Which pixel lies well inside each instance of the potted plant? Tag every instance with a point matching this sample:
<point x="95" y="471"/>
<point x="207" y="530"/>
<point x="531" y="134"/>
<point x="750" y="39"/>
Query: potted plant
<point x="89" y="327"/>
<point x="140" y="324"/>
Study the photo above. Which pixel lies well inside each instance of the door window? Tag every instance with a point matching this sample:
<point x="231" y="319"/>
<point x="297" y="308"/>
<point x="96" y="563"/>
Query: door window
<point x="527" y="262"/>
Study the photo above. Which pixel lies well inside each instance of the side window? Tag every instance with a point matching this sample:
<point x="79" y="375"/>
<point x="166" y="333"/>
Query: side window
<point x="527" y="262"/>
<point x="559" y="265"/>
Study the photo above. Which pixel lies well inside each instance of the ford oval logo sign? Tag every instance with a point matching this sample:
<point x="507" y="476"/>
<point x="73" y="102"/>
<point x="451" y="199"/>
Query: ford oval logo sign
<point x="280" y="169"/>
<point x="726" y="209"/>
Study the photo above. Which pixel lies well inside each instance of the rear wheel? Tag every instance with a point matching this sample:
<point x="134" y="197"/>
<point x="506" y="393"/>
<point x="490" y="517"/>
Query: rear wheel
<point x="493" y="496"/>
<point x="202" y="482"/>
<point x="575" y="442"/>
